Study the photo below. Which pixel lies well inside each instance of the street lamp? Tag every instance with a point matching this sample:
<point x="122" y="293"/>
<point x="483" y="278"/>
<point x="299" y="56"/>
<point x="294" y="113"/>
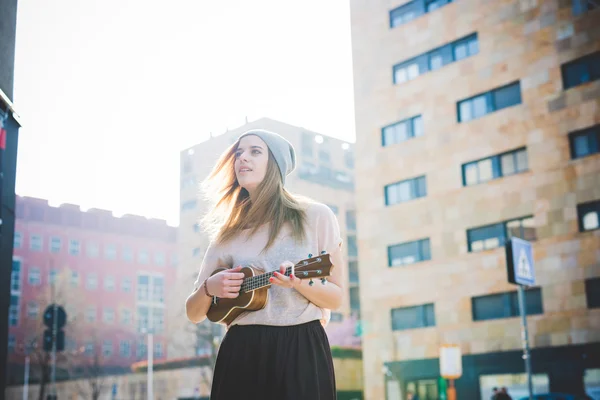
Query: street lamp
<point x="150" y="356"/>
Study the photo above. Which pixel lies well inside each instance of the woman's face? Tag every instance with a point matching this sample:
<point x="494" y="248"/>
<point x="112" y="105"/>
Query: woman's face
<point x="251" y="159"/>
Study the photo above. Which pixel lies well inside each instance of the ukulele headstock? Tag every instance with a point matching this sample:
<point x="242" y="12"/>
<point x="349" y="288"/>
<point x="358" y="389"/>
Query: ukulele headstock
<point x="313" y="267"/>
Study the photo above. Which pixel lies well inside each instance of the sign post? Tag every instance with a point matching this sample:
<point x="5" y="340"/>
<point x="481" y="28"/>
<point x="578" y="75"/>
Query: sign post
<point x="450" y="367"/>
<point x="519" y="266"/>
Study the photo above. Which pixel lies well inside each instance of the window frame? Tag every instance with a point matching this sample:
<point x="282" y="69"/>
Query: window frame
<point x="497" y="170"/>
<point x="583" y="209"/>
<point x="490" y="102"/>
<point x="417" y="7"/>
<point x="505" y="233"/>
<point x="411" y="131"/>
<point x="592" y="134"/>
<point x="584" y="62"/>
<point x="424" y="253"/>
<point x="510" y="304"/>
<point x="414" y="189"/>
<point x="424" y="311"/>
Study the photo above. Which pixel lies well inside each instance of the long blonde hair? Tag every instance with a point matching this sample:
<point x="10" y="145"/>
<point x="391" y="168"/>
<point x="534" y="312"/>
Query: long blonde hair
<point x="232" y="211"/>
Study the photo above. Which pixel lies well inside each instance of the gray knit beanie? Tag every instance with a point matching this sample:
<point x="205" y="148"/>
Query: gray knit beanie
<point x="282" y="150"/>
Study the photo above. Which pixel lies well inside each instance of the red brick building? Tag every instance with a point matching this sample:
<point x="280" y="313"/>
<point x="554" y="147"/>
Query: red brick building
<point x="111" y="275"/>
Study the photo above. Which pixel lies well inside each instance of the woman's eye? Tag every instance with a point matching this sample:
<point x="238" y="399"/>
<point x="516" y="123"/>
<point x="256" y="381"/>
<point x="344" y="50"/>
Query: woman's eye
<point x="255" y="151"/>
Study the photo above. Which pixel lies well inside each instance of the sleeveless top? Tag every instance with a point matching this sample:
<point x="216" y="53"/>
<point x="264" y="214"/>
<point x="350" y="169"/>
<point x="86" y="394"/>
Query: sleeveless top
<point x="285" y="306"/>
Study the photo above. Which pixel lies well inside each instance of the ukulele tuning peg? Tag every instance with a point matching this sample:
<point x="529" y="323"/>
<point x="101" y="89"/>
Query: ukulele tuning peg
<point x="323" y="281"/>
<point x="310" y="283"/>
<point x="309" y="255"/>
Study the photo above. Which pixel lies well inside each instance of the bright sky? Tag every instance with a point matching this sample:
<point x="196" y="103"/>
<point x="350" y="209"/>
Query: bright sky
<point x="111" y="91"/>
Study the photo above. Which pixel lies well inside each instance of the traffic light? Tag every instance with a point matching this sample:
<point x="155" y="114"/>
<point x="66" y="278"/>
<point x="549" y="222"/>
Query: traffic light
<point x="54" y="313"/>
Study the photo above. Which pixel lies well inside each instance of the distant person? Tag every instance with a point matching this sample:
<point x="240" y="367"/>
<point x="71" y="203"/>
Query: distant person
<point x="503" y="394"/>
<point x="282" y="350"/>
<point x="495" y="393"/>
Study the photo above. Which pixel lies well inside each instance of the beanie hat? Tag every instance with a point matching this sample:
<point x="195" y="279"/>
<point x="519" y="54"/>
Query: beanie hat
<point x="282" y="150"/>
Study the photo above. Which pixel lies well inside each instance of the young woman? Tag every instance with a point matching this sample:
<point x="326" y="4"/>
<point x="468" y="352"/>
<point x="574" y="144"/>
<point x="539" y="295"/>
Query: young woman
<point x="280" y="352"/>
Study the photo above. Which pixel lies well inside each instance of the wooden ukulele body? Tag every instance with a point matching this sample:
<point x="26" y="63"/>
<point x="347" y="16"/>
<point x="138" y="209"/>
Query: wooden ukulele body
<point x="224" y="311"/>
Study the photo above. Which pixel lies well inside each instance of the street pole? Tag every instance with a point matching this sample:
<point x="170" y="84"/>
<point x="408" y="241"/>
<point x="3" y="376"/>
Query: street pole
<point x="54" y="333"/>
<point x="524" y="330"/>
<point x="150" y="366"/>
<point x="26" y="379"/>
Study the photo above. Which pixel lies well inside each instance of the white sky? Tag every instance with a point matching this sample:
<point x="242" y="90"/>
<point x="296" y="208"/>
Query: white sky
<point x="110" y="91"/>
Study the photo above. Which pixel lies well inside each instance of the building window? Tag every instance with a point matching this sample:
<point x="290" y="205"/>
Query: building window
<point x="308" y="143"/>
<point x="92" y="281"/>
<point x="126" y="285"/>
<point x="74" y="278"/>
<point x="90" y="314"/>
<point x="125" y="348"/>
<point x="33" y="310"/>
<point x="143" y="319"/>
<point x="158" y="320"/>
<point x="592" y="292"/>
<point x="188" y="205"/>
<point x="15" y="277"/>
<point x="125" y="317"/>
<point x="489" y="102"/>
<point x="354" y="299"/>
<point x="352" y="247"/>
<point x="512" y="162"/>
<point x="110" y="252"/>
<point x="353" y="271"/>
<point x="582" y="70"/>
<point x="435" y="59"/>
<point x="402" y="131"/>
<point x="349" y="158"/>
<point x="141" y="349"/>
<point x="127" y="254"/>
<point x="589" y="216"/>
<point x="109" y="283"/>
<point x="18" y="240"/>
<point x="159" y="258"/>
<point x="336" y="317"/>
<point x="324" y="156"/>
<point x="495" y="235"/>
<point x="506" y="305"/>
<point x="585" y="142"/>
<point x="582" y="6"/>
<point x="414" y="9"/>
<point x="107" y="348"/>
<point x="143" y="257"/>
<point x="409" y="253"/>
<point x="109" y="315"/>
<point x="36" y="243"/>
<point x="143" y="288"/>
<point x="74" y="247"/>
<point x="12" y="343"/>
<point x="406" y="190"/>
<point x="158" y="289"/>
<point x="55" y="244"/>
<point x="13" y="311"/>
<point x="158" y="350"/>
<point x="52" y="276"/>
<point x="351" y="220"/>
<point x="89" y="349"/>
<point x="333" y="208"/>
<point x="413" y="317"/>
<point x="34" y="277"/>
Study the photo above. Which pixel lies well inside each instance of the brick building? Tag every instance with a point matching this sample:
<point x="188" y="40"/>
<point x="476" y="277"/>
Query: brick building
<point x="112" y="275"/>
<point x="476" y="119"/>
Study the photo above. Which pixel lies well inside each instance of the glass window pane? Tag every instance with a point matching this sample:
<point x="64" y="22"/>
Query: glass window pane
<point x="471" y="175"/>
<point x="508" y="164"/>
<point x="417" y="126"/>
<point x="507" y="96"/>
<point x="590" y="221"/>
<point x="435" y="61"/>
<point x="401" y="132"/>
<point x="388" y="135"/>
<point x="581" y="146"/>
<point x="522" y="161"/>
<point x="460" y="51"/>
<point x="465" y="111"/>
<point x="480" y="106"/>
<point x="404" y="191"/>
<point x="486" y="171"/>
<point x="488" y="307"/>
<point x="413" y="71"/>
<point x="400" y="75"/>
<point x="420" y="187"/>
<point x="473" y="46"/>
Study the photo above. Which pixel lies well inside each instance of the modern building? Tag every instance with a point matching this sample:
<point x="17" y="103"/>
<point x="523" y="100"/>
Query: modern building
<point x="324" y="172"/>
<point x="477" y="121"/>
<point x="9" y="129"/>
<point x="111" y="274"/>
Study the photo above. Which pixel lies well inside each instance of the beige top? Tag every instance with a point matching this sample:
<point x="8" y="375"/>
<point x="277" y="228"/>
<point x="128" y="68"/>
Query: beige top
<point x="285" y="306"/>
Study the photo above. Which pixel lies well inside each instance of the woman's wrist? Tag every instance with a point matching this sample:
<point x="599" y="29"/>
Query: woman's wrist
<point x="205" y="287"/>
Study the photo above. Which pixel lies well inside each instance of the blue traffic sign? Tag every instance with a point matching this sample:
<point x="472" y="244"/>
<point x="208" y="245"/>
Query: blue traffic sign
<point x="519" y="262"/>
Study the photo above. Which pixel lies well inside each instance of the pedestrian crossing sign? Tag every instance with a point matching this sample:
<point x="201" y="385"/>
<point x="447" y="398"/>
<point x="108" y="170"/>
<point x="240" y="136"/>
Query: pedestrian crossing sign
<point x="519" y="262"/>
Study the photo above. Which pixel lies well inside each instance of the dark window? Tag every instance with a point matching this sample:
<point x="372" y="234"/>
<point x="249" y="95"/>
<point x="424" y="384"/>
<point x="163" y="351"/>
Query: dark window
<point x="401" y="131"/>
<point x="589" y="216"/>
<point x="494" y="167"/>
<point x="354" y="299"/>
<point x="324" y="156"/>
<point x="188" y="205"/>
<point x="486" y="103"/>
<point x="336" y="317"/>
<point x="351" y="220"/>
<point x="413" y="317"/>
<point x="403" y="191"/>
<point x="353" y="271"/>
<point x="585" y="142"/>
<point x="583" y="6"/>
<point x="352" y="248"/>
<point x="495" y="235"/>
<point x="580" y="71"/>
<point x="506" y="305"/>
<point x="409" y="11"/>
<point x="436" y="58"/>
<point x="409" y="253"/>
<point x="349" y="158"/>
<point x="308" y="143"/>
<point x="592" y="292"/>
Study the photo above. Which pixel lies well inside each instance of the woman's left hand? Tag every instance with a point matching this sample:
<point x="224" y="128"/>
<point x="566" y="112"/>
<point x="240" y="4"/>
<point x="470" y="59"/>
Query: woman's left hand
<point x="280" y="279"/>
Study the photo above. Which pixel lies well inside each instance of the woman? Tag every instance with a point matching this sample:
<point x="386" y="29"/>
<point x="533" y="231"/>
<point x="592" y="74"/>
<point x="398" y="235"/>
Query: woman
<point x="280" y="352"/>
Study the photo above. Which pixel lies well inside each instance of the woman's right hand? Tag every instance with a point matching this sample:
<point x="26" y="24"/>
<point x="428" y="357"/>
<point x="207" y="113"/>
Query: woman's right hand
<point x="226" y="284"/>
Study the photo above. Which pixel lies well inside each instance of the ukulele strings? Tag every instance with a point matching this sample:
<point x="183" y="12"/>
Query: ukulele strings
<point x="258" y="281"/>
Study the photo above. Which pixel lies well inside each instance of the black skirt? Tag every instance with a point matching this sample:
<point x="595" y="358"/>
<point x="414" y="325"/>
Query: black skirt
<point x="274" y="362"/>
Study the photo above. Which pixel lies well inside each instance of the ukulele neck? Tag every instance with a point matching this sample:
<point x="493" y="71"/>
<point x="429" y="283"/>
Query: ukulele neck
<point x="260" y="281"/>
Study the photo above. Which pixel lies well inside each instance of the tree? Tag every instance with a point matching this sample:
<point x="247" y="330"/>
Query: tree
<point x="91" y="374"/>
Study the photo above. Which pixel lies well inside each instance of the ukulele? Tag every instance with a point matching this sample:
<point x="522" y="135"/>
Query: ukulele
<point x="254" y="292"/>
